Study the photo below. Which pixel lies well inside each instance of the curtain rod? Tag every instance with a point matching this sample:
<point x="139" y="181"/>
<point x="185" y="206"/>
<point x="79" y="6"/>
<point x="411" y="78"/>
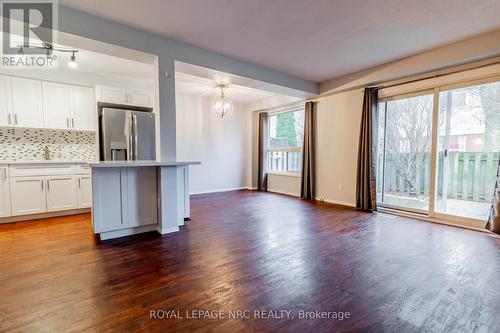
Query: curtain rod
<point x="421" y="77"/>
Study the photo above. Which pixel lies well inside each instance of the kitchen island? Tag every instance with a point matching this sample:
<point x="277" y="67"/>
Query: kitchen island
<point x="131" y="197"/>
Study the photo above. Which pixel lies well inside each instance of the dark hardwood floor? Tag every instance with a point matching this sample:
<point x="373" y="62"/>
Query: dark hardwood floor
<point x="251" y="251"/>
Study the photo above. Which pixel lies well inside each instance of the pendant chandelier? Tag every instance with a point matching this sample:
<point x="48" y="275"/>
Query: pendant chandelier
<point x="222" y="105"/>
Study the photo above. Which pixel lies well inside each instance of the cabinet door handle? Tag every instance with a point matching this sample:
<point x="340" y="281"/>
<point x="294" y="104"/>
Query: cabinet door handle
<point x="67" y="122"/>
<point x="4" y="173"/>
<point x="41" y="182"/>
<point x="79" y="182"/>
<point x="73" y="122"/>
<point x="48" y="184"/>
<point x="15" y="118"/>
<point x="10" y="118"/>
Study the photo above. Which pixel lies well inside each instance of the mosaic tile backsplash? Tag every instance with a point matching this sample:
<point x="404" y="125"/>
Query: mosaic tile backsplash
<point x="27" y="144"/>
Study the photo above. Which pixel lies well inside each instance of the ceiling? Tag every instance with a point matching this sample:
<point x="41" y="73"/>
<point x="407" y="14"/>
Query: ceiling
<point x="314" y="40"/>
<point x="205" y="87"/>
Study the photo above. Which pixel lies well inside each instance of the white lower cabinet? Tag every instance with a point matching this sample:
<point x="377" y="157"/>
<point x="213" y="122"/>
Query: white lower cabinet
<point x="4" y="192"/>
<point x="61" y="193"/>
<point x="27" y="195"/>
<point x="84" y="191"/>
<point x="126" y="198"/>
<point x="27" y="189"/>
<point x="108" y="202"/>
<point x="141" y="205"/>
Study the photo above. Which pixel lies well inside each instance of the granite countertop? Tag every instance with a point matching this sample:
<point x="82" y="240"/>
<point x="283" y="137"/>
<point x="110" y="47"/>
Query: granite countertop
<point x="46" y="162"/>
<point x="128" y="164"/>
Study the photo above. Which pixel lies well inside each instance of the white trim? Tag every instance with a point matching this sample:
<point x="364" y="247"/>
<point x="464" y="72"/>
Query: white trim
<point x="223" y="190"/>
<point x="32" y="217"/>
<point x="292" y="107"/>
<point x="166" y="231"/>
<point x="293" y="149"/>
<point x="285" y="173"/>
<point x="336" y="202"/>
<point x="127" y="232"/>
<point x="285" y="193"/>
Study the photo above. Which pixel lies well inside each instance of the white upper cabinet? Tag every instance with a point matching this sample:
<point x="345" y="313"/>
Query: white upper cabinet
<point x="120" y="96"/>
<point x="140" y="99"/>
<point x="83" y="108"/>
<point x="27" y="102"/>
<point x="5" y="101"/>
<point x="56" y="105"/>
<point x="112" y="95"/>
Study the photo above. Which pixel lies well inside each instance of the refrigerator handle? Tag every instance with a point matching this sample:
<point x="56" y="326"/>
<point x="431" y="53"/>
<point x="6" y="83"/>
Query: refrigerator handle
<point x="134" y="117"/>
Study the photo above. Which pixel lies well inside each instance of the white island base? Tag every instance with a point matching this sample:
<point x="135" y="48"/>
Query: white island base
<point x="136" y="197"/>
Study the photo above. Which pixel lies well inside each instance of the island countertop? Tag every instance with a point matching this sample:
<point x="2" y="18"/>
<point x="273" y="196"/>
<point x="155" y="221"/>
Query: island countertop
<point x="133" y="164"/>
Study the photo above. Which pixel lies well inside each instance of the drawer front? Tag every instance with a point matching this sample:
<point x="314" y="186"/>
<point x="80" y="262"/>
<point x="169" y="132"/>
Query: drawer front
<point x="83" y="169"/>
<point x="41" y="170"/>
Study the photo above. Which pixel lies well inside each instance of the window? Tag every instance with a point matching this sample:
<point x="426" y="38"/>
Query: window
<point x="286" y="136"/>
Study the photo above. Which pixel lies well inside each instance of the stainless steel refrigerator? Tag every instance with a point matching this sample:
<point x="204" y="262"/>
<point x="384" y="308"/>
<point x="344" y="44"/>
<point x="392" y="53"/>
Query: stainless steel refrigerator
<point x="126" y="135"/>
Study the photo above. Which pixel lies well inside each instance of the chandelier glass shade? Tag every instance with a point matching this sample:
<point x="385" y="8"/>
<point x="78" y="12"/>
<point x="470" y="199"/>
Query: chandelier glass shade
<point x="222" y="105"/>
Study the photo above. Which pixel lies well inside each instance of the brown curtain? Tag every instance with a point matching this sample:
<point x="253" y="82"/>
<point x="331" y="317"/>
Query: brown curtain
<point x="308" y="153"/>
<point x="494" y="219"/>
<point x="263" y="147"/>
<point x="366" y="192"/>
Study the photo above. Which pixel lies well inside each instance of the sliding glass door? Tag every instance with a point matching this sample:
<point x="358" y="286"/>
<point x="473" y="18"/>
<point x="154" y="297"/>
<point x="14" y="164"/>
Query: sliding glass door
<point x="440" y="160"/>
<point x="468" y="150"/>
<point x="405" y="127"/>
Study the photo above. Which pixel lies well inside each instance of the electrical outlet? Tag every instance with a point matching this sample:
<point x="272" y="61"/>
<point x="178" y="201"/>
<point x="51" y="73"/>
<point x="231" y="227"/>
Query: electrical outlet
<point x="340" y="187"/>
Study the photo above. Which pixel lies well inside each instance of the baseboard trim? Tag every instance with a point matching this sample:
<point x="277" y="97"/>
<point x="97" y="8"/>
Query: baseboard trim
<point x="335" y="202"/>
<point x="166" y="231"/>
<point x="23" y="218"/>
<point x="126" y="232"/>
<point x="222" y="190"/>
<point x="285" y="193"/>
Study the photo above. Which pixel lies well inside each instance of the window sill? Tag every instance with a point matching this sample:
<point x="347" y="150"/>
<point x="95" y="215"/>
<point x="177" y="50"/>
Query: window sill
<point x="285" y="174"/>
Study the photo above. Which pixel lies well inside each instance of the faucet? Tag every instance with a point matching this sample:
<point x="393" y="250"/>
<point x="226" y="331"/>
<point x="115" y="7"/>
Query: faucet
<point x="46" y="153"/>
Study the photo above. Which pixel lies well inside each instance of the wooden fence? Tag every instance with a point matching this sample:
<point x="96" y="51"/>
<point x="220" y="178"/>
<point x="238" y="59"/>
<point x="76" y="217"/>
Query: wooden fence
<point x="471" y="176"/>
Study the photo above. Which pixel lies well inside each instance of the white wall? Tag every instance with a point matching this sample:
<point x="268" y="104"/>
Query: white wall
<point x="337" y="135"/>
<point x="220" y="144"/>
<point x="285" y="183"/>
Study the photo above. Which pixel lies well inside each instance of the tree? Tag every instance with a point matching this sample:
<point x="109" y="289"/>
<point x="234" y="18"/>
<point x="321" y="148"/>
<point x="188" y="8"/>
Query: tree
<point x="490" y="101"/>
<point x="285" y="128"/>
<point x="408" y="137"/>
